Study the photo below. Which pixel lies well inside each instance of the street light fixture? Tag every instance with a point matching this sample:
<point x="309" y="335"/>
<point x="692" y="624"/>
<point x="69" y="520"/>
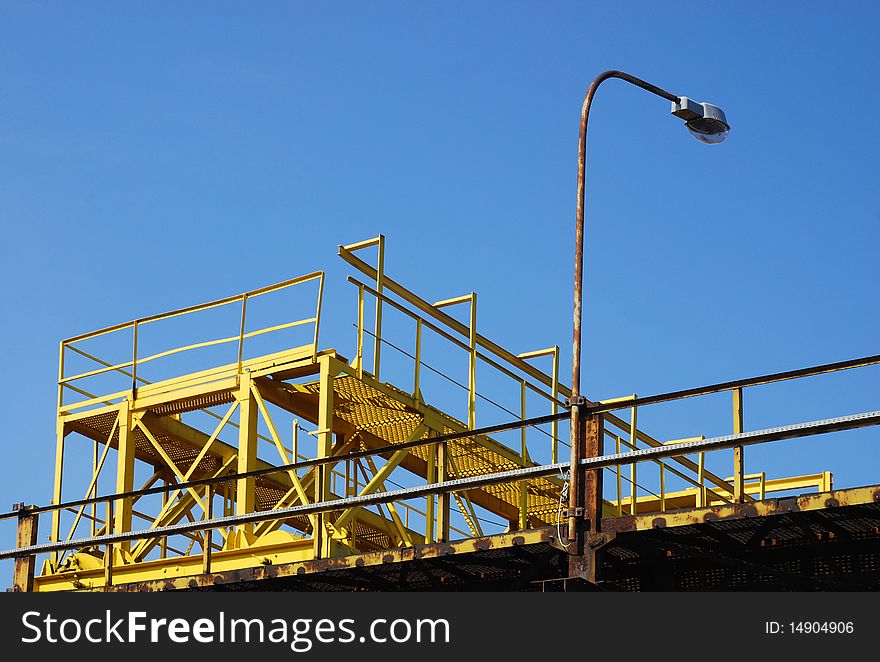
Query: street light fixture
<point x="708" y="124"/>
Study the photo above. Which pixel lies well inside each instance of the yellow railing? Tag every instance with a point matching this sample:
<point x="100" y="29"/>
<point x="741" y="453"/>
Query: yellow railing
<point x="432" y="317"/>
<point x="129" y="368"/>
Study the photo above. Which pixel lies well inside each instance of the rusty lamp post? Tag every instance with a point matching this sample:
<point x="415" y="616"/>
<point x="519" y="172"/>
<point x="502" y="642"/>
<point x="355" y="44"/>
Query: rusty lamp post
<point x="706" y="123"/>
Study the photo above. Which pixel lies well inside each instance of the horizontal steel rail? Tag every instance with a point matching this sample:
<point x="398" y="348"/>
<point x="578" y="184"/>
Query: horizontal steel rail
<point x="198" y="307"/>
<point x="626" y="403"/>
<point x="715" y="443"/>
<point x="595" y="408"/>
<point x="334" y="459"/>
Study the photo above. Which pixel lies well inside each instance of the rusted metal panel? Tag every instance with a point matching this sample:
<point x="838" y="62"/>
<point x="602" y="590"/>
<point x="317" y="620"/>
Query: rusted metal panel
<point x="545" y="535"/>
<point x="805" y="502"/>
<point x="23" y="570"/>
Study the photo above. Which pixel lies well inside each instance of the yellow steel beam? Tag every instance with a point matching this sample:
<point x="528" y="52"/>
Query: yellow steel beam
<point x="245" y="500"/>
<point x="125" y="453"/>
<point x="176" y="506"/>
<point x="402" y="531"/>
<point x="379" y="477"/>
<point x="322" y="534"/>
<point x="155" y="578"/>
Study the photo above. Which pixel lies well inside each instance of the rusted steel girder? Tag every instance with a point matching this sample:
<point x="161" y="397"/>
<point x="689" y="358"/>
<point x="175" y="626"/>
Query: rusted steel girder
<point x="23" y="569"/>
<point x="585" y="535"/>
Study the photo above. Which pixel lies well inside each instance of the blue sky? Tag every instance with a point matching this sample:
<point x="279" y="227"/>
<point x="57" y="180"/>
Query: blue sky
<point x="153" y="156"/>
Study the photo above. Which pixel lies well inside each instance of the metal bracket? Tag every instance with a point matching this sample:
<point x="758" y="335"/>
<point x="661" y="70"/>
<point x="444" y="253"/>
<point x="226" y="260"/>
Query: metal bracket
<point x="576" y="401"/>
<point x="574" y="512"/>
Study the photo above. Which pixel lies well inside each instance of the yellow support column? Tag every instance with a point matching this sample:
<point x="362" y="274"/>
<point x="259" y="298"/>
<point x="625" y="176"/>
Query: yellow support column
<point x="124" y="472"/>
<point x="430" y="477"/>
<point x="524" y="453"/>
<point x="245" y="497"/>
<point x="325" y="441"/>
<point x="56" y="491"/>
<point x="442" y="499"/>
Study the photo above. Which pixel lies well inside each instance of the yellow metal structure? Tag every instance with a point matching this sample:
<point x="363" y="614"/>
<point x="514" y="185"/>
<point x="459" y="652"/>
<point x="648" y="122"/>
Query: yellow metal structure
<point x="300" y="402"/>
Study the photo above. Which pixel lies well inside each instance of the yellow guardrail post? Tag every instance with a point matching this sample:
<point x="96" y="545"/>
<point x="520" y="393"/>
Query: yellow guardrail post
<point x="418" y="360"/>
<point x="738" y="463"/>
<point x="430" y="477"/>
<point x="318" y="316"/>
<point x="619" y="479"/>
<point x="443" y="504"/>
<point x="61" y="349"/>
<point x="554" y="394"/>
<point x="701" y="489"/>
<point x="380" y="283"/>
<point x="208" y="532"/>
<point x="524" y="454"/>
<point x="633" y="440"/>
<point x="134" y="358"/>
<point x="472" y="374"/>
<point x="108" y="551"/>
<point x="360" y="333"/>
<point x="662" y="487"/>
<point x="163" y="544"/>
<point x="472" y="352"/>
<point x="241" y="333"/>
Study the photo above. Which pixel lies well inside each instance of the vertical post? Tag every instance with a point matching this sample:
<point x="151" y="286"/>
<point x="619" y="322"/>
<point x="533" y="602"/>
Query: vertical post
<point x="575" y="481"/>
<point x="442" y="499"/>
<point x="23" y="569"/>
<point x="701" y="469"/>
<point x="554" y="387"/>
<point x="125" y="450"/>
<point x="134" y="359"/>
<point x="59" y="455"/>
<point x="318" y="318"/>
<point x="524" y="454"/>
<point x="619" y="479"/>
<point x="594" y="432"/>
<point x="108" y="551"/>
<point x="738" y="464"/>
<point x="163" y="543"/>
<point x="418" y="366"/>
<point x="56" y="490"/>
<point x="94" y="491"/>
<point x="360" y="335"/>
<point x="380" y="284"/>
<point x="430" y="477"/>
<point x="294" y="445"/>
<point x="244" y="298"/>
<point x="61" y="376"/>
<point x="208" y="533"/>
<point x="472" y="373"/>
<point x="325" y="441"/>
<point x="582" y="562"/>
<point x="662" y="487"/>
<point x="633" y="440"/>
<point x="245" y="496"/>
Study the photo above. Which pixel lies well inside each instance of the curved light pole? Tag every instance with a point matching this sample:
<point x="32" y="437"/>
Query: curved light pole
<point x="706" y="123"/>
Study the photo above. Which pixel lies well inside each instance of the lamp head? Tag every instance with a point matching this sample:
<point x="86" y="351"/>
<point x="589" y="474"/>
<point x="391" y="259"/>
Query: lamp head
<point x="706" y="123"/>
